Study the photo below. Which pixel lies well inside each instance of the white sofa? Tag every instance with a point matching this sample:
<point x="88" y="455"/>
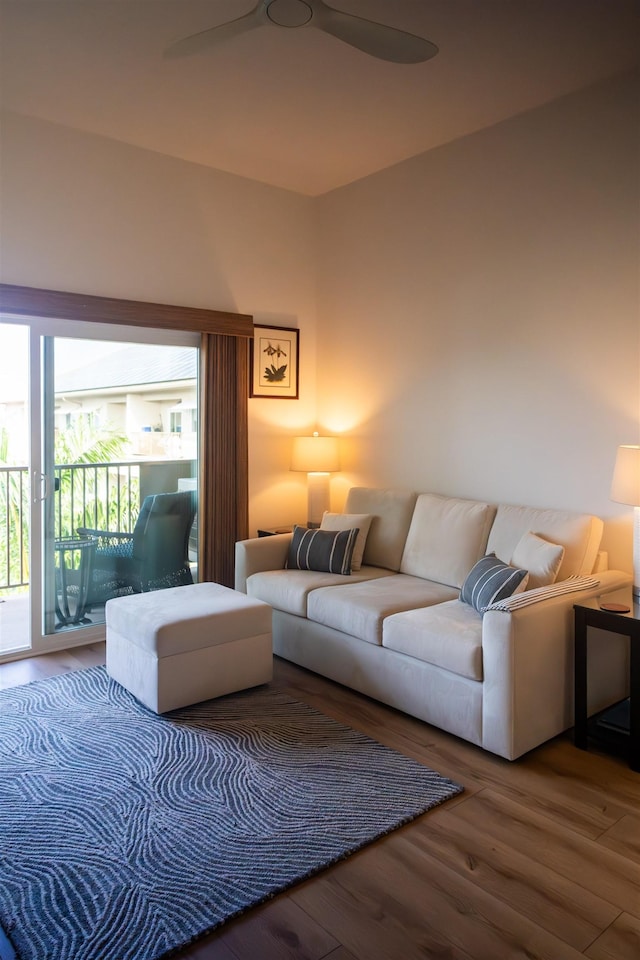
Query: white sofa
<point x="397" y="630"/>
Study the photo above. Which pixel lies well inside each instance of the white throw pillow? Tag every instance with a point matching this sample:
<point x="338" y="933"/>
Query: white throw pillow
<point x="346" y="521"/>
<point x="540" y="557"/>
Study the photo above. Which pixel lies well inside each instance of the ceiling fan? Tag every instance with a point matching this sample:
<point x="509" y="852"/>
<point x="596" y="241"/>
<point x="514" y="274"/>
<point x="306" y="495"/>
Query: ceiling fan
<point x="376" y="39"/>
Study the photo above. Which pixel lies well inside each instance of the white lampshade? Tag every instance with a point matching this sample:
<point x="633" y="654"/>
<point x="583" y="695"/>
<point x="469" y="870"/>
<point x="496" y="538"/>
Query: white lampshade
<point x="317" y="457"/>
<point x="315" y="454"/>
<point x="625" y="488"/>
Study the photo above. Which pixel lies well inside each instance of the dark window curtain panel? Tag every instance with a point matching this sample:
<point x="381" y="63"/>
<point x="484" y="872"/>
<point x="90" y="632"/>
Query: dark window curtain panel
<point x="224" y="487"/>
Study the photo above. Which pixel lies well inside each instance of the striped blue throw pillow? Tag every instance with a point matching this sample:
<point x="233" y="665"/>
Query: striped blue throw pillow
<point x="328" y="551"/>
<point x="491" y="580"/>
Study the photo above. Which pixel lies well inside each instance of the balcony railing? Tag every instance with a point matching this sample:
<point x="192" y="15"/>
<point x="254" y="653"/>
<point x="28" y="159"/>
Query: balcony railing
<point x="106" y="496"/>
<point x="99" y="495"/>
<point x="14" y="532"/>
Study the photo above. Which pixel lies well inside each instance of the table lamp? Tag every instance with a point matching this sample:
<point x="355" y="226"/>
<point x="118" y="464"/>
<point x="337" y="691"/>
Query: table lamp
<point x="317" y="457"/>
<point x="625" y="488"/>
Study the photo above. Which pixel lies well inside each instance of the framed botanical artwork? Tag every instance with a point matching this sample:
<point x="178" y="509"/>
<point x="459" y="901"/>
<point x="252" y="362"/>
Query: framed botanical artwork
<point x="274" y="354"/>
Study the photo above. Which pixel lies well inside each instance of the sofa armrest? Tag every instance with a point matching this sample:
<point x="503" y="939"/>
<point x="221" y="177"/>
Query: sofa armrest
<point x="528" y="670"/>
<point x="259" y="554"/>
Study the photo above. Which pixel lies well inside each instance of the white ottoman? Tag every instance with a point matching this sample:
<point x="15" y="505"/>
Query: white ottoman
<point x="174" y="647"/>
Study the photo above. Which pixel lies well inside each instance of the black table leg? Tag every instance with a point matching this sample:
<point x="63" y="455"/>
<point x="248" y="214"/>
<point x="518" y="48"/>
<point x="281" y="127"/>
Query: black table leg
<point x="634" y="707"/>
<point x="580" y="681"/>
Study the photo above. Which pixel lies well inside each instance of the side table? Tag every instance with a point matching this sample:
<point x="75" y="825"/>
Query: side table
<point x="271" y="531"/>
<point x="590" y="614"/>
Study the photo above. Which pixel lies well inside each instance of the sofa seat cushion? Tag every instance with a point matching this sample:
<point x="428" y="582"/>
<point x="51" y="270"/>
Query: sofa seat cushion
<point x="448" y="635"/>
<point x="447" y="536"/>
<point x="288" y="590"/>
<point x="359" y="609"/>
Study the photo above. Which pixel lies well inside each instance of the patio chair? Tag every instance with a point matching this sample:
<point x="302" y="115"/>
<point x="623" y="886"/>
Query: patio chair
<point x="152" y="557"/>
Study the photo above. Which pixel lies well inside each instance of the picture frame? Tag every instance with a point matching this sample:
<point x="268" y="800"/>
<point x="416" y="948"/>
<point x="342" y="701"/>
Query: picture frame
<point x="274" y="354"/>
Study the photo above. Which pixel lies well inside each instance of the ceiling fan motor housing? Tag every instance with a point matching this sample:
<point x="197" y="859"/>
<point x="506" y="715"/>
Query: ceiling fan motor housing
<point x="288" y="13"/>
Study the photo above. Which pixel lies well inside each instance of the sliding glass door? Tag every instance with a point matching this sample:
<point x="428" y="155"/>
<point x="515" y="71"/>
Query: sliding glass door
<point x="15" y="489"/>
<point x="113" y="450"/>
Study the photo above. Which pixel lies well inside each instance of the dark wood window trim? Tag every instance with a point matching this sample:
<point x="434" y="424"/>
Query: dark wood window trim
<point x="34" y="302"/>
<point x="224" y="389"/>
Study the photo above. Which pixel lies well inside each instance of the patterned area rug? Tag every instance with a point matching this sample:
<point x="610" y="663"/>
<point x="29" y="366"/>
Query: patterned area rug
<point x="125" y="836"/>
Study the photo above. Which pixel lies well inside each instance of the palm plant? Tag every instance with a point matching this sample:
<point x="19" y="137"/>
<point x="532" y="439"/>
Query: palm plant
<point x="97" y="498"/>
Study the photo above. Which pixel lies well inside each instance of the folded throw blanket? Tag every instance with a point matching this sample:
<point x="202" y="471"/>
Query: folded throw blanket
<point x="570" y="585"/>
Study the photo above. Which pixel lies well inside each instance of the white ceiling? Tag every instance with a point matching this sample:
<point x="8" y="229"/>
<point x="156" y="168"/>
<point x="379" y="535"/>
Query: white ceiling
<point x="297" y="108"/>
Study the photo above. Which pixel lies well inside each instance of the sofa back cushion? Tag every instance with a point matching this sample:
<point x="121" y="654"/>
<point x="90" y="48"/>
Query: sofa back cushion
<point x="391" y="512"/>
<point x="446" y="537"/>
<point x="578" y="533"/>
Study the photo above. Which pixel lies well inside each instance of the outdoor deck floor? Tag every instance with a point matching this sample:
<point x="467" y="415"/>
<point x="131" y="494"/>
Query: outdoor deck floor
<point x="14" y="623"/>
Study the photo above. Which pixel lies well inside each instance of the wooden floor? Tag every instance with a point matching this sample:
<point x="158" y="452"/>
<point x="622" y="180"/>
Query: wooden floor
<point x="538" y="859"/>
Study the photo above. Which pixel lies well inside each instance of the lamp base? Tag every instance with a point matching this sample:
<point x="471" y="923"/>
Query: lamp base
<point x="318" y="498"/>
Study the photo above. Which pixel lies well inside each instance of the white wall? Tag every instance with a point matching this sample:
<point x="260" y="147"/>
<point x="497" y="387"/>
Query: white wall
<point x="86" y="214"/>
<point x="478" y="305"/>
<point x="479" y="312"/>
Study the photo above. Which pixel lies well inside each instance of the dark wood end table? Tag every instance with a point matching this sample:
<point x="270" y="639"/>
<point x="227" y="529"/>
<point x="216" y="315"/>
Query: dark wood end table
<point x="591" y="614"/>
<point x="272" y="531"/>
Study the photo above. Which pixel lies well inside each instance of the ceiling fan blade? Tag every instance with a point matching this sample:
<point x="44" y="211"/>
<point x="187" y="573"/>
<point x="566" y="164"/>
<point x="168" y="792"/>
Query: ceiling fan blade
<point x="224" y="31"/>
<point x="376" y="39"/>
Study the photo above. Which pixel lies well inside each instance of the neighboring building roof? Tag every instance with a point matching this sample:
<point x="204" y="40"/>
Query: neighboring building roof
<point x="134" y="365"/>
